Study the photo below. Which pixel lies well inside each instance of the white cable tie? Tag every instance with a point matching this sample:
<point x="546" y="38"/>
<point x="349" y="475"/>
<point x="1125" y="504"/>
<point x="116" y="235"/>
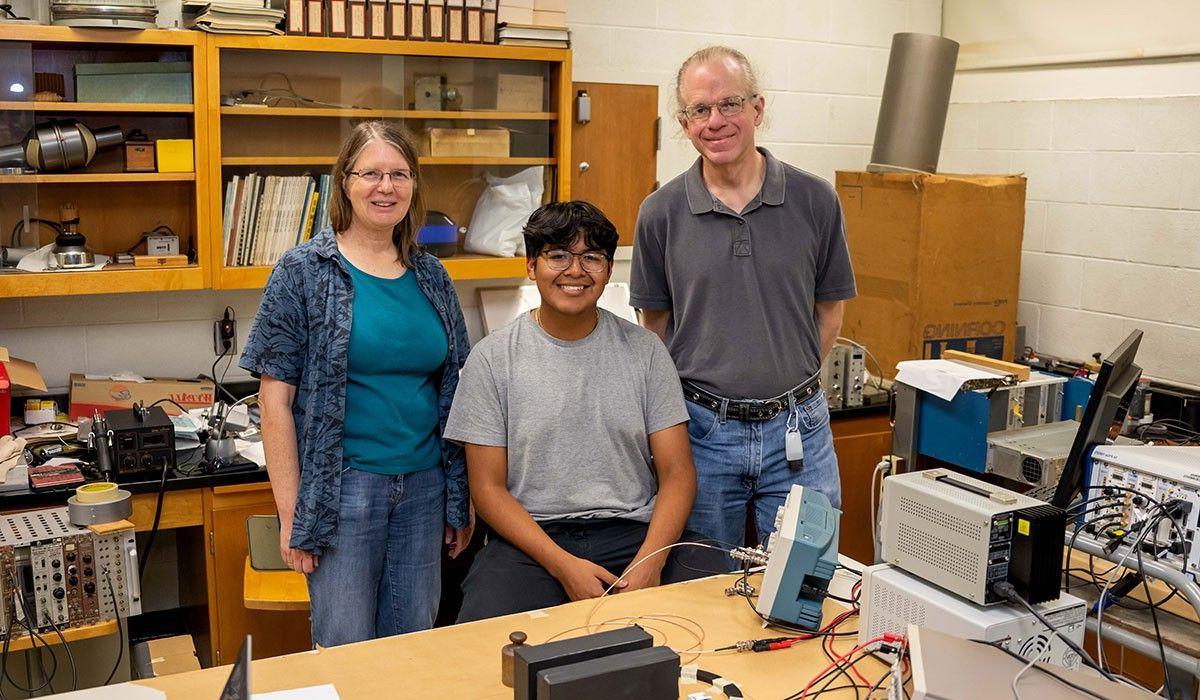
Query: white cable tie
<point x="687" y="674"/>
<point x="720" y="684"/>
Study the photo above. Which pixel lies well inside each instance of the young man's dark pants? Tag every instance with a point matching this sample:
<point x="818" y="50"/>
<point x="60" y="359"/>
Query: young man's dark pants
<point x="504" y="580"/>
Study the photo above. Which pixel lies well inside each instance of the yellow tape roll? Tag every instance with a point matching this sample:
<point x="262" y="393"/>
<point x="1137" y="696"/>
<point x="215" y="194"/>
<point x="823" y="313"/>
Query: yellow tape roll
<point x="100" y="492"/>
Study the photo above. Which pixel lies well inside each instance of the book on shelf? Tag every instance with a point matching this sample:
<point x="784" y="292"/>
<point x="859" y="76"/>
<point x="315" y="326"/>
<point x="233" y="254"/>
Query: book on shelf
<point x="397" y="19"/>
<point x="511" y="30"/>
<point x="490" y="8"/>
<point x="417" y="23"/>
<point x="537" y="43"/>
<point x="337" y="18"/>
<point x="295" y="17"/>
<point x="435" y="25"/>
<point x="356" y="19"/>
<point x="377" y="19"/>
<point x="234" y="17"/>
<point x="267" y="215"/>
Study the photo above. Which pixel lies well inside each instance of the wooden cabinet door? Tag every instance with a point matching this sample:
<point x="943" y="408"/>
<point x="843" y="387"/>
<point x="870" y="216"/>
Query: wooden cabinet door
<point x="615" y="155"/>
<point x="859" y="441"/>
<point x="274" y="632"/>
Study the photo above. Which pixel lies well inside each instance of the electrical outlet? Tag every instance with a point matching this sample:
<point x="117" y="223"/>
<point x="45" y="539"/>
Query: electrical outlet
<point x="225" y="335"/>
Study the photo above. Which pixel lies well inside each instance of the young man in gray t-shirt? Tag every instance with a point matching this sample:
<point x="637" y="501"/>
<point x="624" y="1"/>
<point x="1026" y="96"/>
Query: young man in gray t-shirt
<point x="574" y="425"/>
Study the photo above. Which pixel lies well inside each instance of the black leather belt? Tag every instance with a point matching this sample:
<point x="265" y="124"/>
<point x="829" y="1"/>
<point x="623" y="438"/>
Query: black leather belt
<point x="750" y="409"/>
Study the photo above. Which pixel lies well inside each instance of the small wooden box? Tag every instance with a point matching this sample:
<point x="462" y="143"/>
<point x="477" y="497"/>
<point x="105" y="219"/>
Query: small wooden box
<point x="478" y="143"/>
<point x="139" y="157"/>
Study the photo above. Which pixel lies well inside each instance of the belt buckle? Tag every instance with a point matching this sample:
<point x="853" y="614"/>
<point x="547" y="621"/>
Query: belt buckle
<point x="765" y="410"/>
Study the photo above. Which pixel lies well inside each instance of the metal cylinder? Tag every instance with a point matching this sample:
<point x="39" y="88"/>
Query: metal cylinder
<point x="916" y="96"/>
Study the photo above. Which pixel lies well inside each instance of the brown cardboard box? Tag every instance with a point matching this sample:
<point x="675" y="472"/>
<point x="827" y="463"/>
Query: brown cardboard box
<point x="520" y="93"/>
<point x="89" y="395"/>
<point x="514" y="15"/>
<point x="549" y="18"/>
<point x="15" y="372"/>
<point x="937" y="259"/>
<point x="477" y="143"/>
<point x="161" y="657"/>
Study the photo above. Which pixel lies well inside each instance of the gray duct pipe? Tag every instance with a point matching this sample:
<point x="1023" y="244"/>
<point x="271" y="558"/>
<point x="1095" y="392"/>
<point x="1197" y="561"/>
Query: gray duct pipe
<point x="916" y="95"/>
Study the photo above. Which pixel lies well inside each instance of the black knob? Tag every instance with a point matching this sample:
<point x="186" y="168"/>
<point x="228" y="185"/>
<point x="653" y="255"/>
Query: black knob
<point x="87" y="559"/>
<point x="73" y="581"/>
<point x="89" y="588"/>
<point x="70" y="556"/>
<point x="56" y="563"/>
<point x="59" y="593"/>
<point x="57" y="577"/>
<point x="87" y="571"/>
<point x="72" y="569"/>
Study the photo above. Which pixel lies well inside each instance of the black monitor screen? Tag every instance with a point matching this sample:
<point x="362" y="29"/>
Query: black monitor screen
<point x="1115" y="383"/>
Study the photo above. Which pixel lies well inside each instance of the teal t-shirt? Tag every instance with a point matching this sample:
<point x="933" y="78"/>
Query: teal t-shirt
<point x="397" y="345"/>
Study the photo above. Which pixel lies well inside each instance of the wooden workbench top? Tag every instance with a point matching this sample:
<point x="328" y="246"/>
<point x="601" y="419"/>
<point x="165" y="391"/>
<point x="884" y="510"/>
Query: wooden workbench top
<point x="463" y="661"/>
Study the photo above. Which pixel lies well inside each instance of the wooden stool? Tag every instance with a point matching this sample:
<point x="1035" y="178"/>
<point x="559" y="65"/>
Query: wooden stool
<point x="274" y="590"/>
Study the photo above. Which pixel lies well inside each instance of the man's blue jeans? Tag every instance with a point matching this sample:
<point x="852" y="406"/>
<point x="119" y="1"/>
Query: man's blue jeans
<point x="383" y="574"/>
<point x="741" y="462"/>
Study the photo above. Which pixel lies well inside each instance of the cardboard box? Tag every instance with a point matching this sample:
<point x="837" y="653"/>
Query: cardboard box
<point x="549" y="18"/>
<point x="937" y="259"/>
<point x="89" y="395"/>
<point x="145" y="81"/>
<point x="520" y="93"/>
<point x="162" y="657"/>
<point x="478" y="143"/>
<point x="175" y="156"/>
<point x="514" y="15"/>
<point x="15" y="372"/>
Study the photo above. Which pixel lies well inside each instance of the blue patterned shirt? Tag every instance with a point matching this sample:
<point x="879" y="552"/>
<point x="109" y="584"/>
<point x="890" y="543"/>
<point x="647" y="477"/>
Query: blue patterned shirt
<point x="301" y="336"/>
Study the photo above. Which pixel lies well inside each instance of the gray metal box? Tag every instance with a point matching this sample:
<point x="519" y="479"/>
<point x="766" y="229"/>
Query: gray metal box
<point x="951" y="530"/>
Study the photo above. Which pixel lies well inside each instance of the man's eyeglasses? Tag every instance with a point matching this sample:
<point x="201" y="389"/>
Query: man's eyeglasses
<point x="400" y="178"/>
<point x="591" y="260"/>
<point x="728" y="107"/>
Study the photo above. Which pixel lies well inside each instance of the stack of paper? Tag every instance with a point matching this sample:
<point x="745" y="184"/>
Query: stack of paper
<point x="944" y="378"/>
<point x="236" y="17"/>
<point x="512" y="34"/>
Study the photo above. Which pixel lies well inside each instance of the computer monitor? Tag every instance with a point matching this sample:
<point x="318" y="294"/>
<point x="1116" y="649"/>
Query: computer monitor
<point x="1110" y="397"/>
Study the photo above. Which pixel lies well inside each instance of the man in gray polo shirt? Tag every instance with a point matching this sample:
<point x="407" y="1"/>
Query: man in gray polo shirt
<point x="740" y="265"/>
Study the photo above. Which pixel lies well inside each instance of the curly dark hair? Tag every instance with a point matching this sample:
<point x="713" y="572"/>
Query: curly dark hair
<point x="559" y="224"/>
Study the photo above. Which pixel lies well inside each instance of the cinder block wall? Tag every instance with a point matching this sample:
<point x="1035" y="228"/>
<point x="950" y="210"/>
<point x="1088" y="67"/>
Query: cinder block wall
<point x="822" y="64"/>
<point x="1112" y="235"/>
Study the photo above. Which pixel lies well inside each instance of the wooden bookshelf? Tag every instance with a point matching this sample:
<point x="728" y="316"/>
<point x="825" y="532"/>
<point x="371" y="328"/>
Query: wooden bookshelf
<point x="351" y="113"/>
<point x="437" y="49"/>
<point x="423" y="160"/>
<point x="45" y="33"/>
<point x="239" y="138"/>
<point x="113" y="278"/>
<point x="115" y="207"/>
<point x="102" y="178"/>
<point x="110" y="107"/>
<point x="463" y="266"/>
<point x="278" y="160"/>
<point x="193" y="201"/>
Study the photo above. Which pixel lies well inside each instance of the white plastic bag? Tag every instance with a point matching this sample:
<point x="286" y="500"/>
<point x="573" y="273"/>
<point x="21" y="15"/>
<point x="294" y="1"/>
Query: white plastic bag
<point x="501" y="213"/>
